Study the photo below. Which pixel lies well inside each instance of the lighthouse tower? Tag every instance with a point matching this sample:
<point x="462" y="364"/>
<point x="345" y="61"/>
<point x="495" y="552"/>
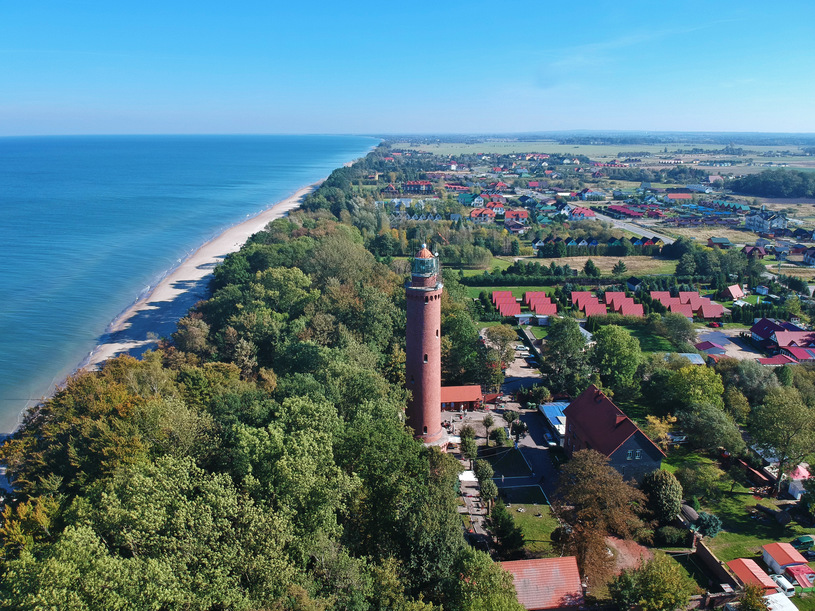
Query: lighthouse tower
<point x="423" y="349"/>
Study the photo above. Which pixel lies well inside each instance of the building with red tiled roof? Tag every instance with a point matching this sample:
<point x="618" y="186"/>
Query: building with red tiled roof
<point x="546" y="583"/>
<point x="710" y="310"/>
<point x="800" y="355"/>
<point x="461" y="397"/>
<point x="734" y="292"/>
<point x="594" y="422"/>
<point x="748" y="572"/>
<point x="778" y="556"/>
<point x="681" y="308"/>
<point x="611" y="296"/>
<point x="595" y="309"/>
<point x="783" y="339"/>
<point x="778" y="359"/>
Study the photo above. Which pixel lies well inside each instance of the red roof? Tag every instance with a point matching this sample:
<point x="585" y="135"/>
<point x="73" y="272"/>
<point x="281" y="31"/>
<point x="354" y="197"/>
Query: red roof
<point x="801" y="354"/>
<point x="629" y="308"/>
<point x="803" y="574"/>
<point x="778" y="359"/>
<point x="660" y="295"/>
<point x="765" y="327"/>
<point x="711" y="310"/>
<point x="544" y="309"/>
<point x="784" y="554"/>
<point x="681" y="308"/>
<point x="611" y="296"/>
<point x="461" y="394"/>
<point x="680" y="196"/>
<point x="747" y="571"/>
<point x="546" y="583"/>
<point x="595" y="309"/>
<point x="600" y="423"/>
<point x="794" y="338"/>
<point x="735" y="292"/>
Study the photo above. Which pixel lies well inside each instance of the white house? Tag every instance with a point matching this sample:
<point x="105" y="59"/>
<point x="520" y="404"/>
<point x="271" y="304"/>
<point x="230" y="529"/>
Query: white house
<point x="778" y="556"/>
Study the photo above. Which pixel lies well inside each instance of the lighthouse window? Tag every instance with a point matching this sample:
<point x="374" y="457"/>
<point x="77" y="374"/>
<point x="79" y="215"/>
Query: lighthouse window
<point x="425" y="358"/>
<point x="437" y="332"/>
<point x="425" y="430"/>
<point x="425" y="300"/>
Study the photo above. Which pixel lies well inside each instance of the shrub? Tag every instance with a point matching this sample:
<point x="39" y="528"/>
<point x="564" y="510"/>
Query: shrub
<point x="670" y="536"/>
<point x="708" y="524"/>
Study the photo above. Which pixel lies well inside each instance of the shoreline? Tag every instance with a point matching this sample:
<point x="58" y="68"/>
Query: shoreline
<point x="139" y="327"/>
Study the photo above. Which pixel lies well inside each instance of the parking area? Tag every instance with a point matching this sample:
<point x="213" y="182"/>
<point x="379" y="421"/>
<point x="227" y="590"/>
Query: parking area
<point x="735" y="346"/>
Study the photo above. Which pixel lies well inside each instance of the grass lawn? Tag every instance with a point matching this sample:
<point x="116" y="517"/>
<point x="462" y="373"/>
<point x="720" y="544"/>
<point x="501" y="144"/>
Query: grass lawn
<point x="537" y="524"/>
<point x="636" y="265"/>
<point x="540" y="332"/>
<point x="742" y="535"/>
<point x="648" y="341"/>
<point x="509" y="462"/>
<point x="805" y="602"/>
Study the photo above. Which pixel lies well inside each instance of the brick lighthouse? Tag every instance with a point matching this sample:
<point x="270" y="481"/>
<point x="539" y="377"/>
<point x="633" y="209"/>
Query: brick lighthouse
<point x="423" y="349"/>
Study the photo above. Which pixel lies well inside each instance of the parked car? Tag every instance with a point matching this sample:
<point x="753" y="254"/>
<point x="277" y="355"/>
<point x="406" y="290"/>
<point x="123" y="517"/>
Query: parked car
<point x="784" y="585"/>
<point x="714" y="324"/>
<point x="677" y="437"/>
<point x="520" y="347"/>
<point x="809" y="554"/>
<point x="803" y="542"/>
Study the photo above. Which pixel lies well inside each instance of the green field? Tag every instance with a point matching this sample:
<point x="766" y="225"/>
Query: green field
<point x="648" y="341"/>
<point x="517" y="291"/>
<point x="537" y="524"/>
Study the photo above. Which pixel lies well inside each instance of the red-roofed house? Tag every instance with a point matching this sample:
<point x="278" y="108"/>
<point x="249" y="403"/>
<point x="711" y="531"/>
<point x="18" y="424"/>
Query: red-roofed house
<point x="763" y="329"/>
<point x="784" y="339"/>
<point x="418" y="186"/>
<point x="517" y="215"/>
<point x="595" y="309"/>
<point x="546" y="583"/>
<point x="461" y="397"/>
<point x="778" y="556"/>
<point x="613" y="296"/>
<point x="482" y="215"/>
<point x="733" y="292"/>
<point x="778" y="359"/>
<point x="594" y="422"/>
<point x="678" y="196"/>
<point x="802" y="576"/>
<point x="710" y="310"/>
<point x="581" y="214"/>
<point x="710" y="348"/>
<point x="681" y="308"/>
<point x="747" y="572"/>
<point x="801" y="355"/>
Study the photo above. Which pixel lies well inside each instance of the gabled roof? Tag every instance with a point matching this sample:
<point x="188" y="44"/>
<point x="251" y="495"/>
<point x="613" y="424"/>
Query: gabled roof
<point x="603" y="425"/>
<point x="546" y="583"/>
<point x="784" y="554"/>
<point x="735" y="291"/>
<point x="803" y="574"/>
<point x="707" y="346"/>
<point x="801" y="354"/>
<point x="711" y="310"/>
<point x="595" y="309"/>
<point x="749" y="572"/>
<point x="460" y="394"/>
<point x="794" y="338"/>
<point x="765" y="327"/>
<point x="778" y="359"/>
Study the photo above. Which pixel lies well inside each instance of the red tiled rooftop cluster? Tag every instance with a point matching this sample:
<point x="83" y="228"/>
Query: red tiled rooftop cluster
<point x="505" y="303"/>
<point x="620" y="304"/>
<point x="689" y="303"/>
<point x="539" y="303"/>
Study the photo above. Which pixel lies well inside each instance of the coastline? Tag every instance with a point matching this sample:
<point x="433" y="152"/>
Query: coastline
<point x="139" y="327"/>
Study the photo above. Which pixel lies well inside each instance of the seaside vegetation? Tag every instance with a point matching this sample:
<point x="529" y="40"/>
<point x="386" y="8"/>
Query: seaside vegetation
<point x="259" y="459"/>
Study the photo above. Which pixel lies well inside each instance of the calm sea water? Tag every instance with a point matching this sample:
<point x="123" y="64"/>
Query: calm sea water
<point x="88" y="224"/>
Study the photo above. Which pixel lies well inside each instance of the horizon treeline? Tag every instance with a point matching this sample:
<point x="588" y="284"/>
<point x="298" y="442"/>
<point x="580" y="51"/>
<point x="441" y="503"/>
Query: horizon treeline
<point x="259" y="459"/>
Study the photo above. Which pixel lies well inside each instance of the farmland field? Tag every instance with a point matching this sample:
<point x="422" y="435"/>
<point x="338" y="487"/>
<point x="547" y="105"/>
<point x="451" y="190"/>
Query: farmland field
<point x="634" y="265"/>
<point x="701" y="234"/>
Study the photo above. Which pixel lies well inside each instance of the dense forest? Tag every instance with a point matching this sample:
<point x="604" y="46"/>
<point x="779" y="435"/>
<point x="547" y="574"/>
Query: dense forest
<point x="259" y="459"/>
<point x="776" y="183"/>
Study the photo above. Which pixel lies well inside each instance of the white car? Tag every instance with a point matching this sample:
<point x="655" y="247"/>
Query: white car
<point x="520" y="347"/>
<point x="784" y="585"/>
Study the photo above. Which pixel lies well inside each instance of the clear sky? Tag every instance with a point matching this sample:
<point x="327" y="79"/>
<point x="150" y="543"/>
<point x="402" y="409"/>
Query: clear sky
<point x="175" y="66"/>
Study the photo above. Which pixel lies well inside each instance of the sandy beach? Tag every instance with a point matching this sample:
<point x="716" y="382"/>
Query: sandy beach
<point x="140" y="326"/>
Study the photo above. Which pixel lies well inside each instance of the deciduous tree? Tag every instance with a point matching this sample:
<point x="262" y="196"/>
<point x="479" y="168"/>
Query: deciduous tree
<point x="784" y="427"/>
<point x="616" y="356"/>
<point x="595" y="501"/>
<point x="658" y="584"/>
<point x="565" y="360"/>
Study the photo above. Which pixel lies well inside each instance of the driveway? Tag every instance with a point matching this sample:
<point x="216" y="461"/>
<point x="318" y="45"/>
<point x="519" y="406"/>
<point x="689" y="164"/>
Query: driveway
<point x="735" y="347"/>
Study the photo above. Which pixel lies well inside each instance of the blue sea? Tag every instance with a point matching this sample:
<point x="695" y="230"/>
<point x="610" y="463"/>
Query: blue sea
<point x="90" y="224"/>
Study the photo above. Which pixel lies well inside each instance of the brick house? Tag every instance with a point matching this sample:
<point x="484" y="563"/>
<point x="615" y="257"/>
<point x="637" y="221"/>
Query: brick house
<point x="594" y="422"/>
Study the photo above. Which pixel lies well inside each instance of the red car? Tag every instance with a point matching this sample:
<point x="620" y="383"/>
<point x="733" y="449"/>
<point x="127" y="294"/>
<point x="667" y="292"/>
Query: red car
<point x="715" y="325"/>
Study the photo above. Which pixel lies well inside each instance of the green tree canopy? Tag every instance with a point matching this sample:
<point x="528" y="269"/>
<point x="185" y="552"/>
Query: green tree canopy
<point x="616" y="356"/>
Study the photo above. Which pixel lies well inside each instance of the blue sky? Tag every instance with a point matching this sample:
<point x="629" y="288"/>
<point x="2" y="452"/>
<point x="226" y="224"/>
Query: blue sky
<point x="88" y="67"/>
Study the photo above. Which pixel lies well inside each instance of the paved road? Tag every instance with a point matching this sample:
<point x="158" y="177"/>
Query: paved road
<point x="635" y="229"/>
